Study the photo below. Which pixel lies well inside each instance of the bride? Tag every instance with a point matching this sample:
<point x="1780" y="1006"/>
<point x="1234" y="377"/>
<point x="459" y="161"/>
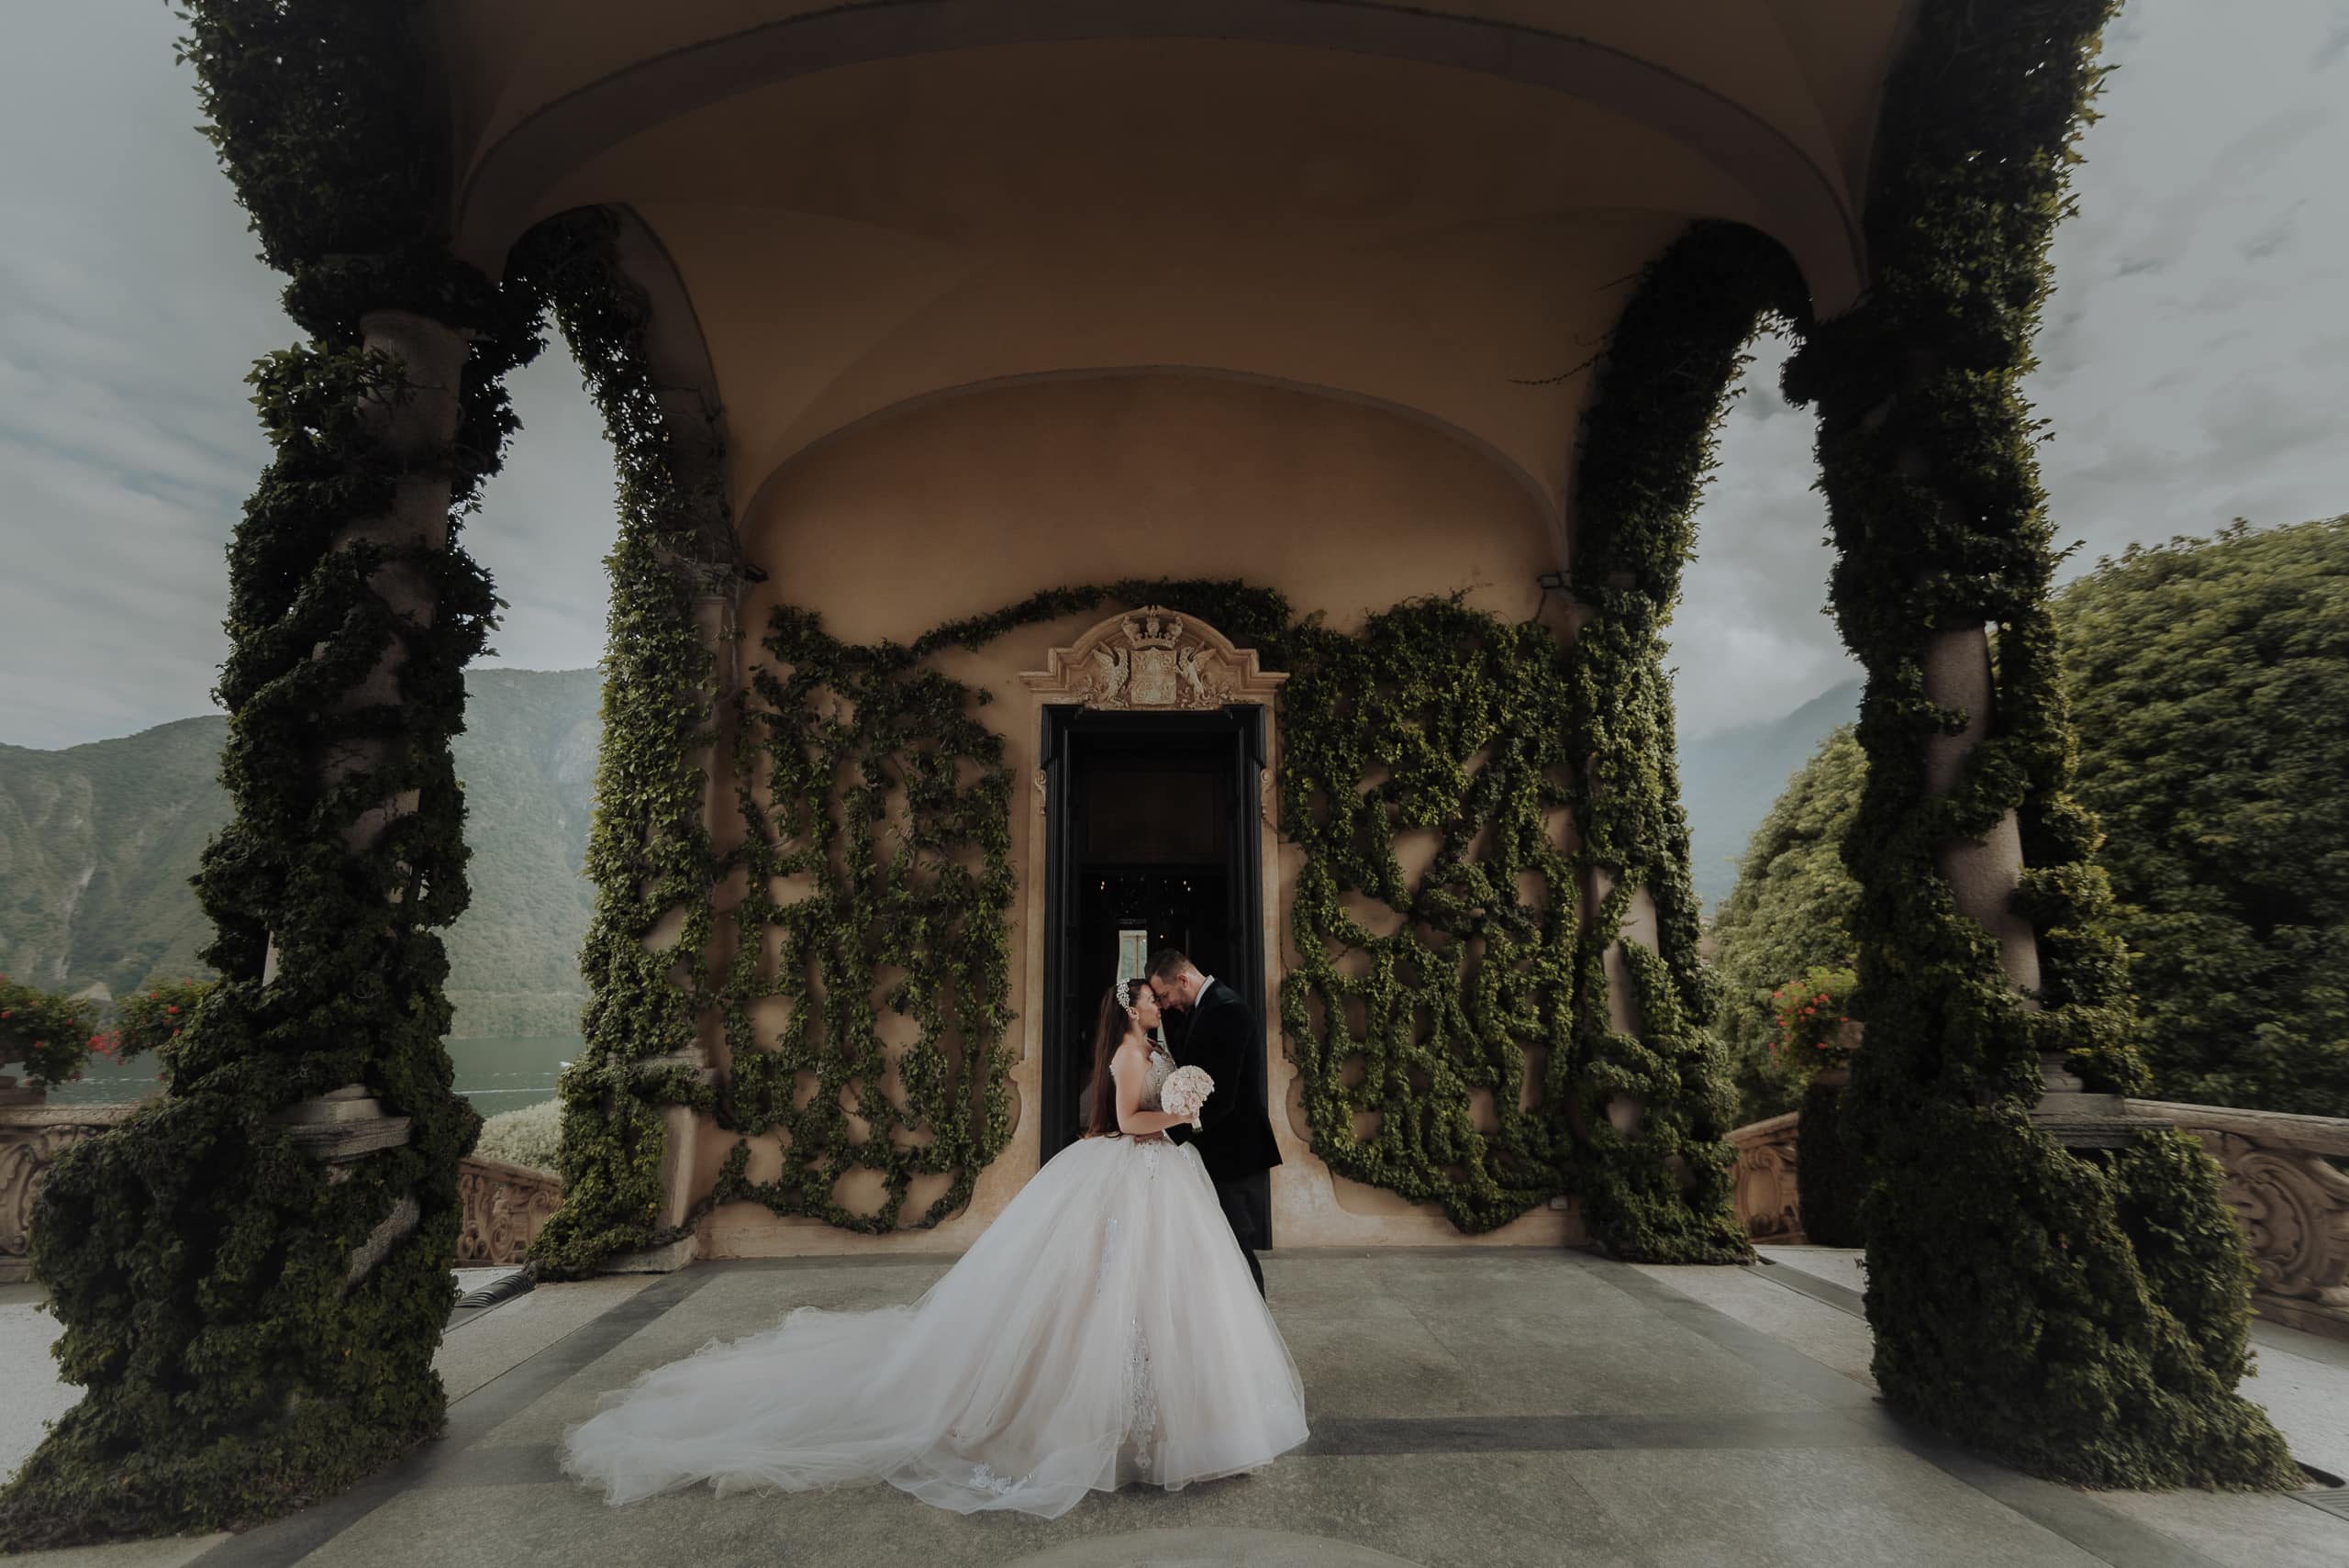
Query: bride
<point x="1102" y="1330"/>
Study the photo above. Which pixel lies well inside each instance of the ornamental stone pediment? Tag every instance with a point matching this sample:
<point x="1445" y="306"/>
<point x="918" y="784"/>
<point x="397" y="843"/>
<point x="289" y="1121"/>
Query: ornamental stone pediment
<point x="1153" y="660"/>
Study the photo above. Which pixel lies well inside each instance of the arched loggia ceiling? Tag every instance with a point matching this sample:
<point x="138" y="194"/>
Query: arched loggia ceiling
<point x="874" y="203"/>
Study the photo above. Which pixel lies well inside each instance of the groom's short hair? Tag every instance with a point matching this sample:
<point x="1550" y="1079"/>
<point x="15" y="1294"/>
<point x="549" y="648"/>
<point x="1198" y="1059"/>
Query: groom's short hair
<point x="1167" y="965"/>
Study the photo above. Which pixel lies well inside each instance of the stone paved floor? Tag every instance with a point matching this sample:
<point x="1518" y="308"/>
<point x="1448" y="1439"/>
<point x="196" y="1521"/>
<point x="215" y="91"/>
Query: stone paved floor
<point x="1583" y="1413"/>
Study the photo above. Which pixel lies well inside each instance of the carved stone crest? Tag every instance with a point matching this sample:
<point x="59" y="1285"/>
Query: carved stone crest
<point x="1154" y="659"/>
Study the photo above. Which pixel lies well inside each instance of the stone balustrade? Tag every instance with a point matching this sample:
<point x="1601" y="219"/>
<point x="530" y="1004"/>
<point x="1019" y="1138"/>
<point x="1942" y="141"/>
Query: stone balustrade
<point x="31" y="1136"/>
<point x="505" y="1205"/>
<point x="2292" y="1197"/>
<point x="2283" y="1180"/>
<point x="1767" y="1202"/>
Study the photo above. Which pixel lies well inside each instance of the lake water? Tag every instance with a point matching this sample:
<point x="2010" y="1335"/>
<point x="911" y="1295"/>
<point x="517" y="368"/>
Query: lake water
<point x="495" y="1074"/>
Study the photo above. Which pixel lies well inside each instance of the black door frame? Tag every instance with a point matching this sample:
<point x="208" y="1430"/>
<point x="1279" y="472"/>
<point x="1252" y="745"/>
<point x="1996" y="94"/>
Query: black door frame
<point x="1243" y="725"/>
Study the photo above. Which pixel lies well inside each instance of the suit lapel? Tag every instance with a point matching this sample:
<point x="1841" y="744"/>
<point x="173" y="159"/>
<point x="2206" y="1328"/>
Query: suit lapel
<point x="1191" y="1020"/>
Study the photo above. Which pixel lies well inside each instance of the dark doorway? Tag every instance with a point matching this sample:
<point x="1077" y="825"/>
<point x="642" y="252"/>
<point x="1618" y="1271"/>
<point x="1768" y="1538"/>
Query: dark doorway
<point x="1151" y="842"/>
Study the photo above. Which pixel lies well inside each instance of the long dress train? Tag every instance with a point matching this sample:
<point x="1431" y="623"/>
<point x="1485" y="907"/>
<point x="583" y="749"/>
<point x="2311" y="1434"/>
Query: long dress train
<point x="1102" y="1330"/>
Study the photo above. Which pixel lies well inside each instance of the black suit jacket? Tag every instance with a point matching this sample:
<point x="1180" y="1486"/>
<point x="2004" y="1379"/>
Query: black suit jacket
<point x="1235" y="1138"/>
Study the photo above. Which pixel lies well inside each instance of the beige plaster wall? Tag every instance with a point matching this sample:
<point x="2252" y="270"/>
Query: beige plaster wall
<point x="967" y="505"/>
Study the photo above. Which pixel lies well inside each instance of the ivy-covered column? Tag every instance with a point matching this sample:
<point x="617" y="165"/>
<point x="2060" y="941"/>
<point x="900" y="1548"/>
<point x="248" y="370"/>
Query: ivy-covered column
<point x="1984" y="872"/>
<point x="2078" y="1312"/>
<point x="253" y="1270"/>
<point x="1647" y="1087"/>
<point x="632" y="1101"/>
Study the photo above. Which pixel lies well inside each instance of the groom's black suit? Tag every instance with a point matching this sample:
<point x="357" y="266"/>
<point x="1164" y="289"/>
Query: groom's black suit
<point x="1235" y="1138"/>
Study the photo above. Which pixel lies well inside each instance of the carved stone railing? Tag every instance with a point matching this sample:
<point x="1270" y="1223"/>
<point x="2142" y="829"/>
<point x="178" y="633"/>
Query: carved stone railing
<point x="2293" y="1202"/>
<point x="2281" y="1180"/>
<point x="1767" y="1204"/>
<point x="31" y="1135"/>
<point x="505" y="1205"/>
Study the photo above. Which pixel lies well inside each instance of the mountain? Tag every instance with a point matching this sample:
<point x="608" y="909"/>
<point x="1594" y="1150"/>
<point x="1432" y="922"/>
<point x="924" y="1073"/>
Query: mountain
<point x="97" y="843"/>
<point x="1729" y="779"/>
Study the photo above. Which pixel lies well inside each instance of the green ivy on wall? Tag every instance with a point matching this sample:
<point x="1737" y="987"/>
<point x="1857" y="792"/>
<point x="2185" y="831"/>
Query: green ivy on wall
<point x="867" y="780"/>
<point x="2080" y="1315"/>
<point x="890" y="804"/>
<point x="1432" y="1018"/>
<point x="878" y="787"/>
<point x="869" y="786"/>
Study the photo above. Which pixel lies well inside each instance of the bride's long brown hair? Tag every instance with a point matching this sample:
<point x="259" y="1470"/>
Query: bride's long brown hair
<point x="1107" y="1032"/>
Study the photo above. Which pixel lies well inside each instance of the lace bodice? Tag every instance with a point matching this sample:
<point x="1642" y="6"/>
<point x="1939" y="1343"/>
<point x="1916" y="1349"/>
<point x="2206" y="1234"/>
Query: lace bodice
<point x="1153" y="1080"/>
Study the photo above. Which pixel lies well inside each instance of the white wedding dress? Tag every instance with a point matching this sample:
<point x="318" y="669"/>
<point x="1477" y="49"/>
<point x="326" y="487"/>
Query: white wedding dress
<point x="1102" y="1330"/>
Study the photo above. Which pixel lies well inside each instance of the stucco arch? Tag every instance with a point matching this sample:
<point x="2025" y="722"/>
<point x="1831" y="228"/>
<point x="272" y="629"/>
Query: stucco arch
<point x="1535" y="492"/>
<point x="1806" y="200"/>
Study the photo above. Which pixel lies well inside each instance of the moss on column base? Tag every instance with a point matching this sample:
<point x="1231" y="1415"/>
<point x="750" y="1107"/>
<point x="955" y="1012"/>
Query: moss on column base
<point x="2027" y="1306"/>
<point x="1827" y="1173"/>
<point x="203" y="1265"/>
<point x="78" y="1490"/>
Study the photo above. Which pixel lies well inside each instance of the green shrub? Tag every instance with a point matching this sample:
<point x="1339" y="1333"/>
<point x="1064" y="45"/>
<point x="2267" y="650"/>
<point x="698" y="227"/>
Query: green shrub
<point x="1791" y="911"/>
<point x="2211" y="681"/>
<point x="531" y="1136"/>
<point x="53" y="1036"/>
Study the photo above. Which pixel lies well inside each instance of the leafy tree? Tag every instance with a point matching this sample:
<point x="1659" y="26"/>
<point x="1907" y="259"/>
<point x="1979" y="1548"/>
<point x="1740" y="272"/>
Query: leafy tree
<point x="2210" y="687"/>
<point x="2209" y="680"/>
<point x="1791" y="911"/>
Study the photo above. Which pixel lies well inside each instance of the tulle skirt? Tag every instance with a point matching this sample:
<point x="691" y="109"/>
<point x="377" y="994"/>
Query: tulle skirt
<point x="1102" y="1330"/>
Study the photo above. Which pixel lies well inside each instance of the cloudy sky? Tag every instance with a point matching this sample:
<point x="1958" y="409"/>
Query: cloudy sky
<point x="2195" y="367"/>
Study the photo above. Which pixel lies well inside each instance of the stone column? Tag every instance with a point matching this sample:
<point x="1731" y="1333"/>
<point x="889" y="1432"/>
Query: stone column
<point x="1983" y="873"/>
<point x="415" y="426"/>
<point x="1983" y="876"/>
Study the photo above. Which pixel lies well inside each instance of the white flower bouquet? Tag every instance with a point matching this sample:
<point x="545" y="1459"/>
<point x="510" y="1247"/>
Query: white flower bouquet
<point x="1184" y="1091"/>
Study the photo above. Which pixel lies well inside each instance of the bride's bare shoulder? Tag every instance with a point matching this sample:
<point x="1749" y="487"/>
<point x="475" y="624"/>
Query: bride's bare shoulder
<point x="1132" y="1056"/>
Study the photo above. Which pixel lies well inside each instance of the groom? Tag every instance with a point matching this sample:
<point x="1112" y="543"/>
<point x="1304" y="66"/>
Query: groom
<point x="1235" y="1138"/>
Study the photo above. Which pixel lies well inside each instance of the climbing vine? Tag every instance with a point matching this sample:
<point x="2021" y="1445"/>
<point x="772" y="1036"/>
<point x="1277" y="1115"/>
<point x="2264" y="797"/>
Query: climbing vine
<point x="253" y="1327"/>
<point x="860" y="773"/>
<point x="1431" y="1011"/>
<point x="649" y="851"/>
<point x="2081" y="1314"/>
<point x="866" y="780"/>
<point x="891" y="805"/>
<point x="1432" y="1048"/>
<point x="1652" y="1103"/>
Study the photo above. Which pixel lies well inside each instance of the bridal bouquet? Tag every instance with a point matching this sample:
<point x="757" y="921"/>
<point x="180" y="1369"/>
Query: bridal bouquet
<point x="1184" y="1091"/>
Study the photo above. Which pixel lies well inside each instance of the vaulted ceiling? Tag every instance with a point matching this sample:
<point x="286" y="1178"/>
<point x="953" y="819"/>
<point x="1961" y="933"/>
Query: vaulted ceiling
<point x="1433" y="209"/>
